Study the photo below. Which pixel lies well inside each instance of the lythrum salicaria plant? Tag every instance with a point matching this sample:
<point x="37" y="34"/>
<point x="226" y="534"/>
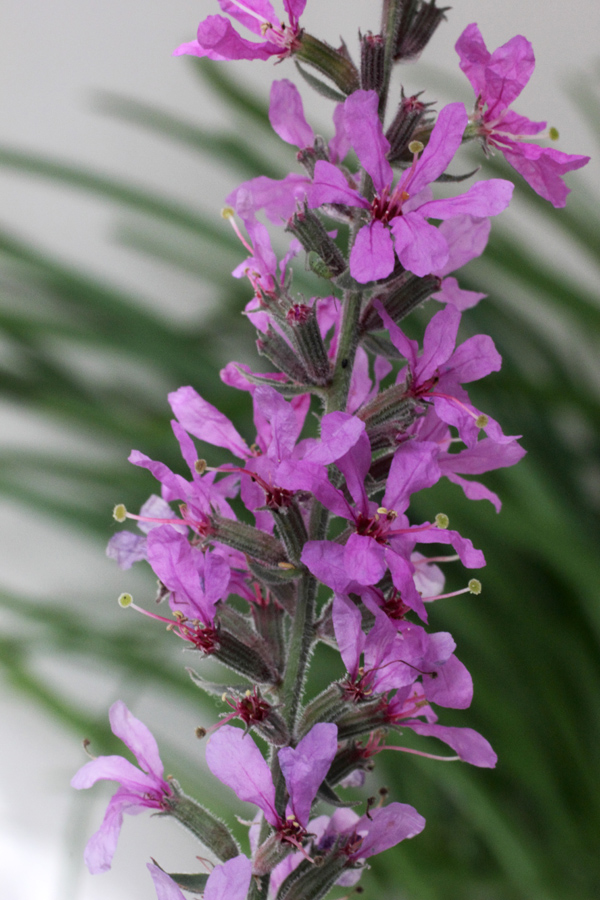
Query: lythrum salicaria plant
<point x="290" y="537"/>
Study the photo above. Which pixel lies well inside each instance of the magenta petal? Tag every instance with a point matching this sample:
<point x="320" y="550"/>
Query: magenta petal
<point x="474" y="490"/>
<point x="474" y="57"/>
<point x="508" y="70"/>
<point x="543" y="169"/>
<point x="305" y="767"/>
<point x="101" y="847"/>
<point x="442" y="145"/>
<point x="206" y="422"/>
<point x="286" y="115"/>
<point x="413" y="469"/>
<point x="452" y="685"/>
<point x="233" y="758"/>
<point x="217" y="39"/>
<point x="327" y="562"/>
<point x="364" y="129"/>
<point x="471" y="746"/>
<point x="229" y="881"/>
<point x="113" y="768"/>
<point x="438" y="343"/>
<point x="364" y="560"/>
<point x="466" y="237"/>
<point x="458" y="297"/>
<point x="485" y="198"/>
<point x="294" y="9"/>
<point x="372" y="255"/>
<point x="330" y="186"/>
<point x="421" y="247"/>
<point x="339" y="433"/>
<point x="250" y="12"/>
<point x="350" y="638"/>
<point x="165" y="887"/>
<point x="475" y="358"/>
<point x="387" y="826"/>
<point x="137" y="737"/>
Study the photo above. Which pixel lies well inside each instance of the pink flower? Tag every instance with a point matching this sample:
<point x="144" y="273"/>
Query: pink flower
<point x="218" y="40"/>
<point x="497" y="79"/>
<point x="139" y="789"/>
<point x="397" y="215"/>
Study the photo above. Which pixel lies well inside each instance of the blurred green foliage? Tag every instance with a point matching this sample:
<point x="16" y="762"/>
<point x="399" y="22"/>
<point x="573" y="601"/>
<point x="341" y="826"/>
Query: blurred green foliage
<point x="530" y="828"/>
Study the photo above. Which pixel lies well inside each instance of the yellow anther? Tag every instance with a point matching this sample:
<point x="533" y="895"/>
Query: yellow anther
<point x="200" y="466"/>
<point x="224" y="696"/>
<point x="416" y="147"/>
<point x="125" y="600"/>
<point x="474" y="586"/>
<point x="120" y="512"/>
<point x="286" y="565"/>
<point x="482" y="420"/>
<point x="553" y="133"/>
<point x="228" y="212"/>
<point x="442" y="520"/>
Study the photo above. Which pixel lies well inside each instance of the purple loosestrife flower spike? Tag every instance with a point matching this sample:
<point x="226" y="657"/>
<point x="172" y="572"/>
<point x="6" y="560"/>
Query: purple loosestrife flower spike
<point x="140" y="788"/>
<point x="497" y="79"/>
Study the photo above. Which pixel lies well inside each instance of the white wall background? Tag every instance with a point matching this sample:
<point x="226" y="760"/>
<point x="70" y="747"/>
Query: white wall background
<point x="53" y="57"/>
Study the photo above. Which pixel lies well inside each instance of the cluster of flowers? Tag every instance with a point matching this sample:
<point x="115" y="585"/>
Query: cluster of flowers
<point x="287" y="513"/>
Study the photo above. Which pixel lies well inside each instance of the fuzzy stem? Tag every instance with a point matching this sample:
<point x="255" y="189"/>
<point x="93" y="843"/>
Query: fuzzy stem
<point x="392" y="11"/>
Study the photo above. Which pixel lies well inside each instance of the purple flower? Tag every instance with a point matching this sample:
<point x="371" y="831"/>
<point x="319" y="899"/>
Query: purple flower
<point x="358" y="838"/>
<point x="382" y="537"/>
<point x="140" y="788"/>
<point x="497" y="79"/>
<point x="229" y="881"/>
<point x="439" y="371"/>
<point x="233" y="758"/>
<point x="286" y="114"/>
<point x="218" y="40"/>
<point x="398" y="214"/>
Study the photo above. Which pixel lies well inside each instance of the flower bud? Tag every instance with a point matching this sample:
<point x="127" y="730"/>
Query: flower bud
<point x="309" y="881"/>
<point x="372" y="56"/>
<point x="399" y="299"/>
<point x="410" y="115"/>
<point x="273" y="346"/>
<point x="255" y="543"/>
<point x="334" y="64"/>
<point x="311" y="233"/>
<point x="416" y="27"/>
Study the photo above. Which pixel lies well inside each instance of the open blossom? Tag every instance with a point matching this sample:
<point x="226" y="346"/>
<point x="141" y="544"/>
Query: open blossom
<point x="497" y="79"/>
<point x="397" y="215"/>
<point x="233" y="758"/>
<point x="217" y="39"/>
<point x="143" y="788"/>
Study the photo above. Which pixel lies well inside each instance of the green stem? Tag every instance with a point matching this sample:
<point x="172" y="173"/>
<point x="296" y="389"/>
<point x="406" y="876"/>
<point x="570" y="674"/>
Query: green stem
<point x="392" y="11"/>
<point x="344" y="362"/>
<point x="301" y="639"/>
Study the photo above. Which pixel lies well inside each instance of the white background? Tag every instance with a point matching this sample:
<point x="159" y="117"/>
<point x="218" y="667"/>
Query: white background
<point x="54" y="57"/>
